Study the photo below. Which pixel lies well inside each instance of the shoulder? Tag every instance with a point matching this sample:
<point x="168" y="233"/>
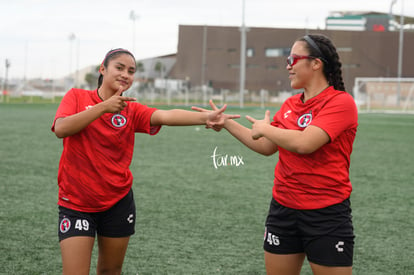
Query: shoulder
<point x="346" y="99"/>
<point x="337" y="93"/>
<point x="339" y="97"/>
<point x="342" y="104"/>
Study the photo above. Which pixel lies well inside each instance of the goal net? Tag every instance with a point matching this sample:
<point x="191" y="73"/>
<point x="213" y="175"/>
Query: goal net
<point x="384" y="94"/>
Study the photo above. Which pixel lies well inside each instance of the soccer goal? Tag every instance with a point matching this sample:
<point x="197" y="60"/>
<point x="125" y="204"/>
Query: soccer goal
<point x="384" y="94"/>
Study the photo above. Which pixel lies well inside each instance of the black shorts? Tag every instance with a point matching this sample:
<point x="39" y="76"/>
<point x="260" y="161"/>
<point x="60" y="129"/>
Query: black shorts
<point x="324" y="235"/>
<point x="118" y="221"/>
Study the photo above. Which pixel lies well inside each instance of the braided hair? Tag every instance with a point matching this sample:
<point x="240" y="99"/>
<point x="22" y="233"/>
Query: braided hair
<point x="108" y="57"/>
<point x="322" y="47"/>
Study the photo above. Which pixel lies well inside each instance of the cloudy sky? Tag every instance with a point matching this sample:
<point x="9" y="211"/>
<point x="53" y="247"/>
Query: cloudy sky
<point x="35" y="34"/>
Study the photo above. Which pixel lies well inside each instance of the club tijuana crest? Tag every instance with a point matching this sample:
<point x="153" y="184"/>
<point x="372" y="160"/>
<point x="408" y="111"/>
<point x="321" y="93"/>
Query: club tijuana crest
<point x="305" y="119"/>
<point x="118" y="120"/>
<point x="64" y="225"/>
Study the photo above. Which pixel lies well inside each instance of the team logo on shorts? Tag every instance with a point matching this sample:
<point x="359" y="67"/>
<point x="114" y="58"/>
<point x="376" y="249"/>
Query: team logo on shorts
<point x="64" y="225"/>
<point x="118" y="120"/>
<point x="305" y="120"/>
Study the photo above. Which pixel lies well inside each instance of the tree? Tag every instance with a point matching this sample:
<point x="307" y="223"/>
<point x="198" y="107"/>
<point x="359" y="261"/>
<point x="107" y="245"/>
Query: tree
<point x="92" y="77"/>
<point x="140" y="67"/>
<point x="160" y="68"/>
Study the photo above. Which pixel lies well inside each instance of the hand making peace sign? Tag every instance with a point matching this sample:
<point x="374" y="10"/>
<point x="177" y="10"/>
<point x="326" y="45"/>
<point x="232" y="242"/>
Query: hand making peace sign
<point x="216" y="118"/>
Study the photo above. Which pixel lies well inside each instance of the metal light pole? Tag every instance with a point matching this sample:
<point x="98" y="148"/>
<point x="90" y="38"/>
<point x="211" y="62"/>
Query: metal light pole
<point x="391" y="14"/>
<point x="71" y="38"/>
<point x="77" y="62"/>
<point x="133" y="17"/>
<point x="400" y="53"/>
<point x="203" y="66"/>
<point x="203" y="56"/>
<point x="400" y="47"/>
<point x="242" y="57"/>
<point x="25" y="62"/>
<point x="5" y="92"/>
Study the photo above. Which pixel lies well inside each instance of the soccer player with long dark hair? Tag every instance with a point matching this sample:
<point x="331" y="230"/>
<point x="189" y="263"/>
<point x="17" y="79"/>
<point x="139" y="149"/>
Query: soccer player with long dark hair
<point x="314" y="131"/>
<point x="95" y="196"/>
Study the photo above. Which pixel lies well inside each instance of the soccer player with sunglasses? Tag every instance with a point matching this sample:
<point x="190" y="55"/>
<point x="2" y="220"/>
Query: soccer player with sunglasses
<point x="314" y="131"/>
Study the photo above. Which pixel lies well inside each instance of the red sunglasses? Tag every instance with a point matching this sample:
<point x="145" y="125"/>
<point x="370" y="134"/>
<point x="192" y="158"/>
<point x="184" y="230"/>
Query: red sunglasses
<point x="293" y="59"/>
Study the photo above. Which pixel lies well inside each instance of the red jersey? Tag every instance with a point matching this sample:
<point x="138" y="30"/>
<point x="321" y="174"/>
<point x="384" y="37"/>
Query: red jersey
<point x="94" y="169"/>
<point x="319" y="179"/>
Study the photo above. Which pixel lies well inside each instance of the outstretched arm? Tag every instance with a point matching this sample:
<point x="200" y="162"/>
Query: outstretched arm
<point x="70" y="125"/>
<point x="301" y="142"/>
<point x="178" y="117"/>
<point x="243" y="134"/>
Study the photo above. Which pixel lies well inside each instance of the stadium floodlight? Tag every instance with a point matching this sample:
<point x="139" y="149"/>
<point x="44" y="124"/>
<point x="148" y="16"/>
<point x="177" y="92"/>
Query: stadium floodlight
<point x="133" y="16"/>
<point x="7" y="65"/>
<point x="391" y="15"/>
<point x="4" y="93"/>
<point x="71" y="38"/>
